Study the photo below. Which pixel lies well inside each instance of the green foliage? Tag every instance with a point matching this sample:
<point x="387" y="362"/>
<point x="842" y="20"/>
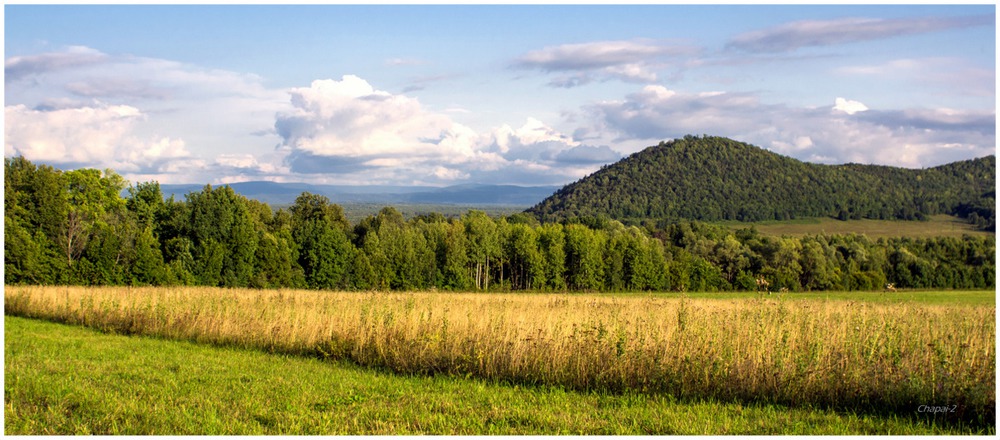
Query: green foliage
<point x="527" y="267"/>
<point x="551" y="243"/>
<point x="484" y="246"/>
<point x="75" y="228"/>
<point x="276" y="263"/>
<point x="325" y="252"/>
<point x="714" y="178"/>
<point x="583" y="258"/>
<point x="221" y="226"/>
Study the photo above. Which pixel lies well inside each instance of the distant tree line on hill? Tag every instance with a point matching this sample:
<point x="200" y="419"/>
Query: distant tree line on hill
<point x="714" y="178"/>
<point x="74" y="227"/>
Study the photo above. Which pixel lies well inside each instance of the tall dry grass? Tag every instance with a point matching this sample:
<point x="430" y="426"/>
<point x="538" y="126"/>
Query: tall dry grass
<point x="849" y="355"/>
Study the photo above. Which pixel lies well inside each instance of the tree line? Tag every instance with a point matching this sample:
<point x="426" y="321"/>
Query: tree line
<point x="75" y="227"/>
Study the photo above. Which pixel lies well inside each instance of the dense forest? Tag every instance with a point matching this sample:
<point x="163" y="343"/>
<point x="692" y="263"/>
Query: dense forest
<point x="75" y="227"/>
<point x="714" y="178"/>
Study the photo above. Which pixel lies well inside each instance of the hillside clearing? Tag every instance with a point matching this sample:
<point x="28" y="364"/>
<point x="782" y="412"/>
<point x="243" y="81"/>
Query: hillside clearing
<point x="941" y="225"/>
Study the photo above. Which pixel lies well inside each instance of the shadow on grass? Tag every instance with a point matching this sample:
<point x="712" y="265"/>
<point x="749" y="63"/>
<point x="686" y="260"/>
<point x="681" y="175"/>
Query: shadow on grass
<point x="902" y="404"/>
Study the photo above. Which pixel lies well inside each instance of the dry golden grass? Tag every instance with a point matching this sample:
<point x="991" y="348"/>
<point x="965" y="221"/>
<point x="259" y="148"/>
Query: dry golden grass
<point x="851" y="355"/>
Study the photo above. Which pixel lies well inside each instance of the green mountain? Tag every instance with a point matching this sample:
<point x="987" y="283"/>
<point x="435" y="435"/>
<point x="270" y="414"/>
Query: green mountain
<point x="715" y="178"/>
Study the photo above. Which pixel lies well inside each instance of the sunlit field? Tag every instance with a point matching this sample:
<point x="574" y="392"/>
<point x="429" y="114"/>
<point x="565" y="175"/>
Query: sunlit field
<point x="64" y="379"/>
<point x="940" y="225"/>
<point x="867" y="356"/>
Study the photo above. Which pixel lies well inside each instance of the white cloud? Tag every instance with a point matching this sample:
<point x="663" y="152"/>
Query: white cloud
<point x="172" y="121"/>
<point x="350" y="118"/>
<point x="245" y="161"/>
<point x="348" y="131"/>
<point x="230" y="168"/>
<point x="911" y="138"/>
<point x="594" y="55"/>
<point x="657" y="113"/>
<point x="449" y="174"/>
<point x="99" y="136"/>
<point x="805" y="33"/>
<point x="20" y="67"/>
<point x="625" y="60"/>
<point x="168" y="119"/>
<point x="848" y="106"/>
<point x="656" y="93"/>
<point x="798" y="144"/>
<point x="532" y="132"/>
<point x="88" y="73"/>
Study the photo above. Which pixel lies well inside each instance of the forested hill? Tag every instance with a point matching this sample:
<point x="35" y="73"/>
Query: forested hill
<point x="715" y="178"/>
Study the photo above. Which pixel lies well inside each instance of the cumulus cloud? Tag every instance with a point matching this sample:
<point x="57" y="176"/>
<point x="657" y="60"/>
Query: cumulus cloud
<point x="656" y="112"/>
<point x="630" y="61"/>
<point x="348" y="131"/>
<point x="848" y="106"/>
<point x="349" y="118"/>
<point x="244" y="162"/>
<point x="798" y="144"/>
<point x="525" y="139"/>
<point x="97" y="136"/>
<point x="144" y="117"/>
<point x="105" y="136"/>
<point x="913" y="138"/>
<point x="230" y="168"/>
<point x="795" y="35"/>
<point x="449" y="174"/>
<point x="845" y="132"/>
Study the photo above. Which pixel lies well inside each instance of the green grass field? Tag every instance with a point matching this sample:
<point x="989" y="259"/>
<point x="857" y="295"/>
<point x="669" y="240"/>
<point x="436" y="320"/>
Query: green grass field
<point x="942" y="225"/>
<point x="62" y="379"/>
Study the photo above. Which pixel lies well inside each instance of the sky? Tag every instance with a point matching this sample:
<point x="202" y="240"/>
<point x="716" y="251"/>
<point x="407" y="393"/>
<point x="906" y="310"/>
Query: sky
<point x="495" y="94"/>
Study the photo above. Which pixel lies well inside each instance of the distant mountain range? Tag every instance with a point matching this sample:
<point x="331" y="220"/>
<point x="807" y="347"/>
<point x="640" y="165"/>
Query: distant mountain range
<point x="469" y="194"/>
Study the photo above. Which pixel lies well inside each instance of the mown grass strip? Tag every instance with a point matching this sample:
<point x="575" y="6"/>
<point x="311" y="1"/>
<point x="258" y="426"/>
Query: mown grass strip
<point x="64" y="379"/>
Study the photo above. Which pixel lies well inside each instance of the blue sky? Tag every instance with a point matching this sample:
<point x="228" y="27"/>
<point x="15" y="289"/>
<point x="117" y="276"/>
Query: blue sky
<point x="449" y="94"/>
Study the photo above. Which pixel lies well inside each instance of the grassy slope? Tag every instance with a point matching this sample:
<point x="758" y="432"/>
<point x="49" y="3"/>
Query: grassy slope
<point x="937" y="226"/>
<point x="69" y="380"/>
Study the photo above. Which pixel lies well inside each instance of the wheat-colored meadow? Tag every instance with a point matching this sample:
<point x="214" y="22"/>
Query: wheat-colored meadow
<point x="842" y="354"/>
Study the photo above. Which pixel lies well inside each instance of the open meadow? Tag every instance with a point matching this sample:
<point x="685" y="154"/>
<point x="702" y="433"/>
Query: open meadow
<point x="938" y="225"/>
<point x="917" y="358"/>
<point x="64" y="379"/>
